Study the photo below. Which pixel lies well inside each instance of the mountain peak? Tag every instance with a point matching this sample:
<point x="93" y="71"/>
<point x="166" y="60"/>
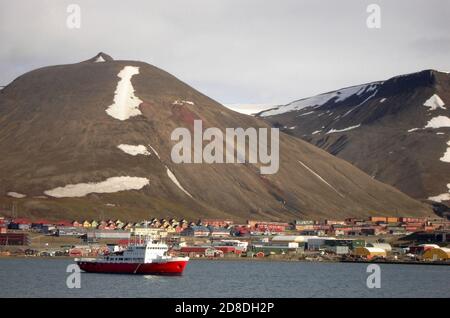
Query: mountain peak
<point x="114" y="122"/>
<point x="405" y="118"/>
<point x="101" y="57"/>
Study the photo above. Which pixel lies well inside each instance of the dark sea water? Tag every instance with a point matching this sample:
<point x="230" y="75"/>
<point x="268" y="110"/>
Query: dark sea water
<point x="47" y="278"/>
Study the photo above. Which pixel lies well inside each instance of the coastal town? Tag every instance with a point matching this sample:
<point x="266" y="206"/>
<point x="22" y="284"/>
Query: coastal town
<point x="380" y="239"/>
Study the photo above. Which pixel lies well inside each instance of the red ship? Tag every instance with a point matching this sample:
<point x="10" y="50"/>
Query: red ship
<point x="149" y="258"/>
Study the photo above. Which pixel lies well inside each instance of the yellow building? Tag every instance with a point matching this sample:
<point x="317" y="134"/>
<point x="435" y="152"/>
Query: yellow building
<point x="437" y="254"/>
<point x="86" y="224"/>
<point x="369" y="252"/>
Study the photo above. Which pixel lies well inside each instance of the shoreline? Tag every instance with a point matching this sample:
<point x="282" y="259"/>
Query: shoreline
<point x="256" y="259"/>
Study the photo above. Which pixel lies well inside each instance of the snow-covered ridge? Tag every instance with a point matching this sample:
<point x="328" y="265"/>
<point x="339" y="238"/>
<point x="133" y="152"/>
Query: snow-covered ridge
<point x="319" y="100"/>
<point x="434" y="102"/>
<point x="331" y="131"/>
<point x="176" y="182"/>
<point x="126" y="104"/>
<point x="134" y="150"/>
<point x="16" y="195"/>
<point x="110" y="185"/>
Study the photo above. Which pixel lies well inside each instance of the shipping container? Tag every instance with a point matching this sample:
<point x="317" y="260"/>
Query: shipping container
<point x="392" y="219"/>
<point x="378" y="219"/>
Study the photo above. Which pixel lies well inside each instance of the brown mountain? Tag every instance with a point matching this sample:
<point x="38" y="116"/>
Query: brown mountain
<point x="397" y="131"/>
<point x="70" y="133"/>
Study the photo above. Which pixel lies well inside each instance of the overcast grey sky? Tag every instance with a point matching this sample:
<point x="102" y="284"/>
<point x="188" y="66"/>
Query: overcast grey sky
<point x="235" y="51"/>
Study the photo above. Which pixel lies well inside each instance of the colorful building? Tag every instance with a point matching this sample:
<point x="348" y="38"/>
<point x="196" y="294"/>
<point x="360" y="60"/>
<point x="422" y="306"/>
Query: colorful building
<point x="369" y="252"/>
<point x="437" y="254"/>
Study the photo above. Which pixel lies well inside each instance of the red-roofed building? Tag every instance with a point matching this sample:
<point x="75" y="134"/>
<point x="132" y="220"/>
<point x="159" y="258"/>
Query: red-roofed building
<point x="64" y="223"/>
<point x="240" y="230"/>
<point x="42" y="222"/>
<point x="21" y="221"/>
<point x="216" y="222"/>
<point x="20" y="224"/>
<point x="264" y="226"/>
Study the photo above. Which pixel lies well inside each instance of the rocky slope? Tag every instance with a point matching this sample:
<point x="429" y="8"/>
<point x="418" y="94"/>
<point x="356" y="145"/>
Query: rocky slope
<point x="397" y="131"/>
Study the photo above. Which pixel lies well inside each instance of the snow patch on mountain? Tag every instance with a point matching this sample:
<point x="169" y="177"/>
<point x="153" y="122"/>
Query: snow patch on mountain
<point x="319" y="177"/>
<point x="305" y="114"/>
<point x="176" y="182"/>
<point x="134" y="150"/>
<point x="383" y="100"/>
<point x="331" y="131"/>
<point x="182" y="102"/>
<point x="99" y="59"/>
<point x="413" y="129"/>
<point x="126" y="104"/>
<point x="446" y="156"/>
<point x="438" y="122"/>
<point x="441" y="197"/>
<point x="360" y="104"/>
<point x="16" y="195"/>
<point x="154" y="151"/>
<point x="110" y="185"/>
<point x="434" y="102"/>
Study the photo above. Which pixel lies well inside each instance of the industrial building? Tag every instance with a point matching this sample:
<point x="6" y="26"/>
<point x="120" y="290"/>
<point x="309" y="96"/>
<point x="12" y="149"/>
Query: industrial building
<point x="94" y="235"/>
<point x="316" y="243"/>
<point x="369" y="252"/>
<point x="69" y="231"/>
<point x="276" y="249"/>
<point x="149" y="231"/>
<point x="385" y="246"/>
<point x="437" y="254"/>
<point x="14" y="239"/>
<point x="284" y="239"/>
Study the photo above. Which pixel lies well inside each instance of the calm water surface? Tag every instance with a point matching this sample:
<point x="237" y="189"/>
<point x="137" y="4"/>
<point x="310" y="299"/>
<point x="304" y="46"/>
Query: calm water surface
<point x="47" y="278"/>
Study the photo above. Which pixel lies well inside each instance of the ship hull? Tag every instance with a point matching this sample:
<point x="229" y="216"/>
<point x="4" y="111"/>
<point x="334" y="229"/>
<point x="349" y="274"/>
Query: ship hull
<point x="175" y="267"/>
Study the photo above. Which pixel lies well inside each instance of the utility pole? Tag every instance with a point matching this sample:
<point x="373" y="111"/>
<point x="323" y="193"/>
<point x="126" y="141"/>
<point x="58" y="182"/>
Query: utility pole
<point x="14" y="213"/>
